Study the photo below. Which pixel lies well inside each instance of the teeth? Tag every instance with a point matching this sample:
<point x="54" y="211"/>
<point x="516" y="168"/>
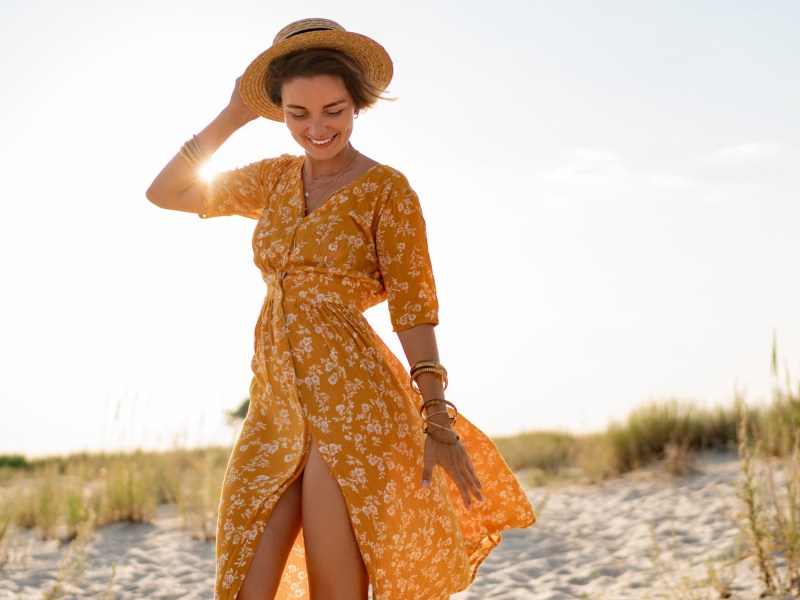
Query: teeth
<point x="321" y="142"/>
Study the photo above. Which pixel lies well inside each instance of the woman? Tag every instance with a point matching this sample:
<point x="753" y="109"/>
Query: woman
<point x="332" y="484"/>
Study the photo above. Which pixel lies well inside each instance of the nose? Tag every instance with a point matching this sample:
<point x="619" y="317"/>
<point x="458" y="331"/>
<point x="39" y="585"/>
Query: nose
<point x="316" y="128"/>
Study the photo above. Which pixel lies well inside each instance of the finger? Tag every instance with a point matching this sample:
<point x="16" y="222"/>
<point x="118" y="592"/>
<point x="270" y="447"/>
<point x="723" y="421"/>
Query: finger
<point x="472" y="482"/>
<point x="471" y="468"/>
<point x="461" y="483"/>
<point x="465" y="495"/>
<point x="473" y="476"/>
<point x="428" y="463"/>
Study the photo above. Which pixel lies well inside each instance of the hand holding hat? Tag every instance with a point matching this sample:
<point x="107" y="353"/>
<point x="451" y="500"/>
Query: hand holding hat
<point x="307" y="34"/>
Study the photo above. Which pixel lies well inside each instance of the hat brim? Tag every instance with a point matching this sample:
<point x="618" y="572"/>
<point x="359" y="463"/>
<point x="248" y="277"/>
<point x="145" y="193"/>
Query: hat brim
<point x="372" y="57"/>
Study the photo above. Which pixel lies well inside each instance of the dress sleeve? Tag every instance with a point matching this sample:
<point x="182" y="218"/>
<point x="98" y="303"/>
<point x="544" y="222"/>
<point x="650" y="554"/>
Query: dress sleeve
<point x="243" y="191"/>
<point x="404" y="261"/>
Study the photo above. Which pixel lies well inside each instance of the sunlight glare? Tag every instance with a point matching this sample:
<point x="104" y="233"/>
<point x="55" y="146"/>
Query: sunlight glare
<point x="208" y="170"/>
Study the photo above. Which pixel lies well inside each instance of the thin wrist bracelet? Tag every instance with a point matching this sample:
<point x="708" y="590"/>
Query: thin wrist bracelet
<point x="441" y="412"/>
<point x="432" y="425"/>
<point x="433" y="401"/>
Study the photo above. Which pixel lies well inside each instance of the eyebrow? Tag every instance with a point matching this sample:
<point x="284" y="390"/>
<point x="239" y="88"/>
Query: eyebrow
<point x="329" y="105"/>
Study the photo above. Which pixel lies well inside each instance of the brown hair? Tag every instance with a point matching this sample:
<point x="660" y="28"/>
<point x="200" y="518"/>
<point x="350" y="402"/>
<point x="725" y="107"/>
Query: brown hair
<point x="321" y="61"/>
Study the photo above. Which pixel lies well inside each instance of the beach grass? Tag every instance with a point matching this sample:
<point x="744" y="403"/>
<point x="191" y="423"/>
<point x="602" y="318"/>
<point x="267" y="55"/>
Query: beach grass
<point x="56" y="496"/>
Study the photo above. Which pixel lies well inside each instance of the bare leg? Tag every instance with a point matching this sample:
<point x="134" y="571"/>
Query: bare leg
<point x="264" y="574"/>
<point x="336" y="570"/>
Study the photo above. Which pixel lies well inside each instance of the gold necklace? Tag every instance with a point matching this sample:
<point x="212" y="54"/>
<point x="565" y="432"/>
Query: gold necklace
<point x="328" y="181"/>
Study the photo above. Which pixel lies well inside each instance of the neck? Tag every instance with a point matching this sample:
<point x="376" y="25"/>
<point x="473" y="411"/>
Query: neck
<point x="316" y="169"/>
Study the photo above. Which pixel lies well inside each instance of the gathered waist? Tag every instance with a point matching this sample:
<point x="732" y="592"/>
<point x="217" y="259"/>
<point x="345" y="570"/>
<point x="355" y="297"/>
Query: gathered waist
<point x="310" y="285"/>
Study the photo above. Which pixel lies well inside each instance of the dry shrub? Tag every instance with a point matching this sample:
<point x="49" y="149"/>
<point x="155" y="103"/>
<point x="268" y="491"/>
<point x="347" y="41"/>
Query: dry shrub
<point x="547" y="451"/>
<point x="678" y="460"/>
<point x="769" y="494"/>
<point x="596" y="458"/>
<point x="650" y="429"/>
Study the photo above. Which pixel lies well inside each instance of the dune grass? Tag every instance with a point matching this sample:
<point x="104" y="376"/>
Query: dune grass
<point x="652" y="432"/>
<point x="57" y="497"/>
<point x="656" y="431"/>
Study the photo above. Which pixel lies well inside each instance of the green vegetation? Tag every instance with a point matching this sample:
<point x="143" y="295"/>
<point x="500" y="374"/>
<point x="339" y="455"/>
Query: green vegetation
<point x="58" y="497"/>
<point x="654" y="432"/>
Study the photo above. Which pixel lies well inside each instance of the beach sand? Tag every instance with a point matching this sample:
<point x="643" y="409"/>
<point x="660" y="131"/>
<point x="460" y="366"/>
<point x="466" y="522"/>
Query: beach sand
<point x="644" y="535"/>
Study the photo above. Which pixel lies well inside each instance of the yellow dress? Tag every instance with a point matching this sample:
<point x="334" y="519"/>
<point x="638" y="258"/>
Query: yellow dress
<point x="321" y="373"/>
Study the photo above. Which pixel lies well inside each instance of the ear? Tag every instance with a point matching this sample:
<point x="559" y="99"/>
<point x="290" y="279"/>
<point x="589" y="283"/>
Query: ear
<point x="355" y="114"/>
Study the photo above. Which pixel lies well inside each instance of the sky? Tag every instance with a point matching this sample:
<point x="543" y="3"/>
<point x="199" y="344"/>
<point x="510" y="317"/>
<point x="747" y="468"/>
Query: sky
<point x="611" y="191"/>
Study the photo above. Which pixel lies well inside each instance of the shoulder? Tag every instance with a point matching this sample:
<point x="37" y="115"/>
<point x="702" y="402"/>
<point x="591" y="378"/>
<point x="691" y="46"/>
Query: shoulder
<point x="388" y="183"/>
<point x="279" y="164"/>
<point x="388" y="175"/>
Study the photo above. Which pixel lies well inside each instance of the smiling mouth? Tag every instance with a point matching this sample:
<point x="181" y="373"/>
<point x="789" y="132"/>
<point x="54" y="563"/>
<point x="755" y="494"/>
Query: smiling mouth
<point x="321" y="142"/>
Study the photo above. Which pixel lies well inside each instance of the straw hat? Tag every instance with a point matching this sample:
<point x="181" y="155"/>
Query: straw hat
<point x="305" y="35"/>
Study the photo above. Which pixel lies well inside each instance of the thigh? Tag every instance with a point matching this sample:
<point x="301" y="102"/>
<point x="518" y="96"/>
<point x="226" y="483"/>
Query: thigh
<point x="335" y="567"/>
<point x="264" y="574"/>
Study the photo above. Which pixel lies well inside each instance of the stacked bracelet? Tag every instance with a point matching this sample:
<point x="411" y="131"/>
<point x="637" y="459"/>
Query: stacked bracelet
<point x="432" y="426"/>
<point x="191" y="153"/>
<point x="436" y="368"/>
<point x="427" y="366"/>
<point x="440" y="401"/>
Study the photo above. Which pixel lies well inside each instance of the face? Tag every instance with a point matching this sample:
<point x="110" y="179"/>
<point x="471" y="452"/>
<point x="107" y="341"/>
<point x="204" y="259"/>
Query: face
<point x="319" y="113"/>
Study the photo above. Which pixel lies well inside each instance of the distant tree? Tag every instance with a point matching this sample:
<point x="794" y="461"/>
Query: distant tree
<point x="241" y="412"/>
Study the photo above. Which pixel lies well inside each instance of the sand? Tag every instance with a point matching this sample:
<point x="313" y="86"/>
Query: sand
<point x="644" y="535"/>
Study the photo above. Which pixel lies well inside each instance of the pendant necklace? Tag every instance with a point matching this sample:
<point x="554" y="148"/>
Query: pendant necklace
<point x="331" y="180"/>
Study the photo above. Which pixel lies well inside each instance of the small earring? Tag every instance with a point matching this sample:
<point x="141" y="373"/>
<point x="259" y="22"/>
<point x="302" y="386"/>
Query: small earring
<point x="355" y="115"/>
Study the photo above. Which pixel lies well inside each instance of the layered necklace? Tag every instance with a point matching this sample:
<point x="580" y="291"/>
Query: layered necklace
<point x="320" y="183"/>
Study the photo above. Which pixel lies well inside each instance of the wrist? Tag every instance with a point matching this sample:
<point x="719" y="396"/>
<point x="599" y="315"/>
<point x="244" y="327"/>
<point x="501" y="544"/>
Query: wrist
<point x="231" y="119"/>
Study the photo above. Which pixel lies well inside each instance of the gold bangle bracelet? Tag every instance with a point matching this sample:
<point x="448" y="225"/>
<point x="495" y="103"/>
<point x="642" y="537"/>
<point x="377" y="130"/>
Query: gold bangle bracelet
<point x="193" y="151"/>
<point x="426" y="369"/>
<point x="433" y="401"/>
<point x="188" y="159"/>
<point x="427" y="363"/>
<point x="430" y="403"/>
<point x="418" y="372"/>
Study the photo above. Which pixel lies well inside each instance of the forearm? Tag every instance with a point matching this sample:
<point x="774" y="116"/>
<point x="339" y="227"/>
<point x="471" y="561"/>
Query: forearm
<point x="419" y="343"/>
<point x="179" y="186"/>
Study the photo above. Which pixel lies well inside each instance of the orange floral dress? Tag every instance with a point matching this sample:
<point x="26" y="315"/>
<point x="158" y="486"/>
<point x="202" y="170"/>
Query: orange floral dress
<point x="321" y="373"/>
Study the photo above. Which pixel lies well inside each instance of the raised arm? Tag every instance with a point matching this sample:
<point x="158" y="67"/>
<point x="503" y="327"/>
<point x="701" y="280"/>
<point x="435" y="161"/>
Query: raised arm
<point x="179" y="186"/>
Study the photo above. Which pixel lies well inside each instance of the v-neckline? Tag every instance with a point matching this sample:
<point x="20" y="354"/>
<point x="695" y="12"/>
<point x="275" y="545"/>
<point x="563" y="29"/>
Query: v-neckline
<point x="299" y="184"/>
